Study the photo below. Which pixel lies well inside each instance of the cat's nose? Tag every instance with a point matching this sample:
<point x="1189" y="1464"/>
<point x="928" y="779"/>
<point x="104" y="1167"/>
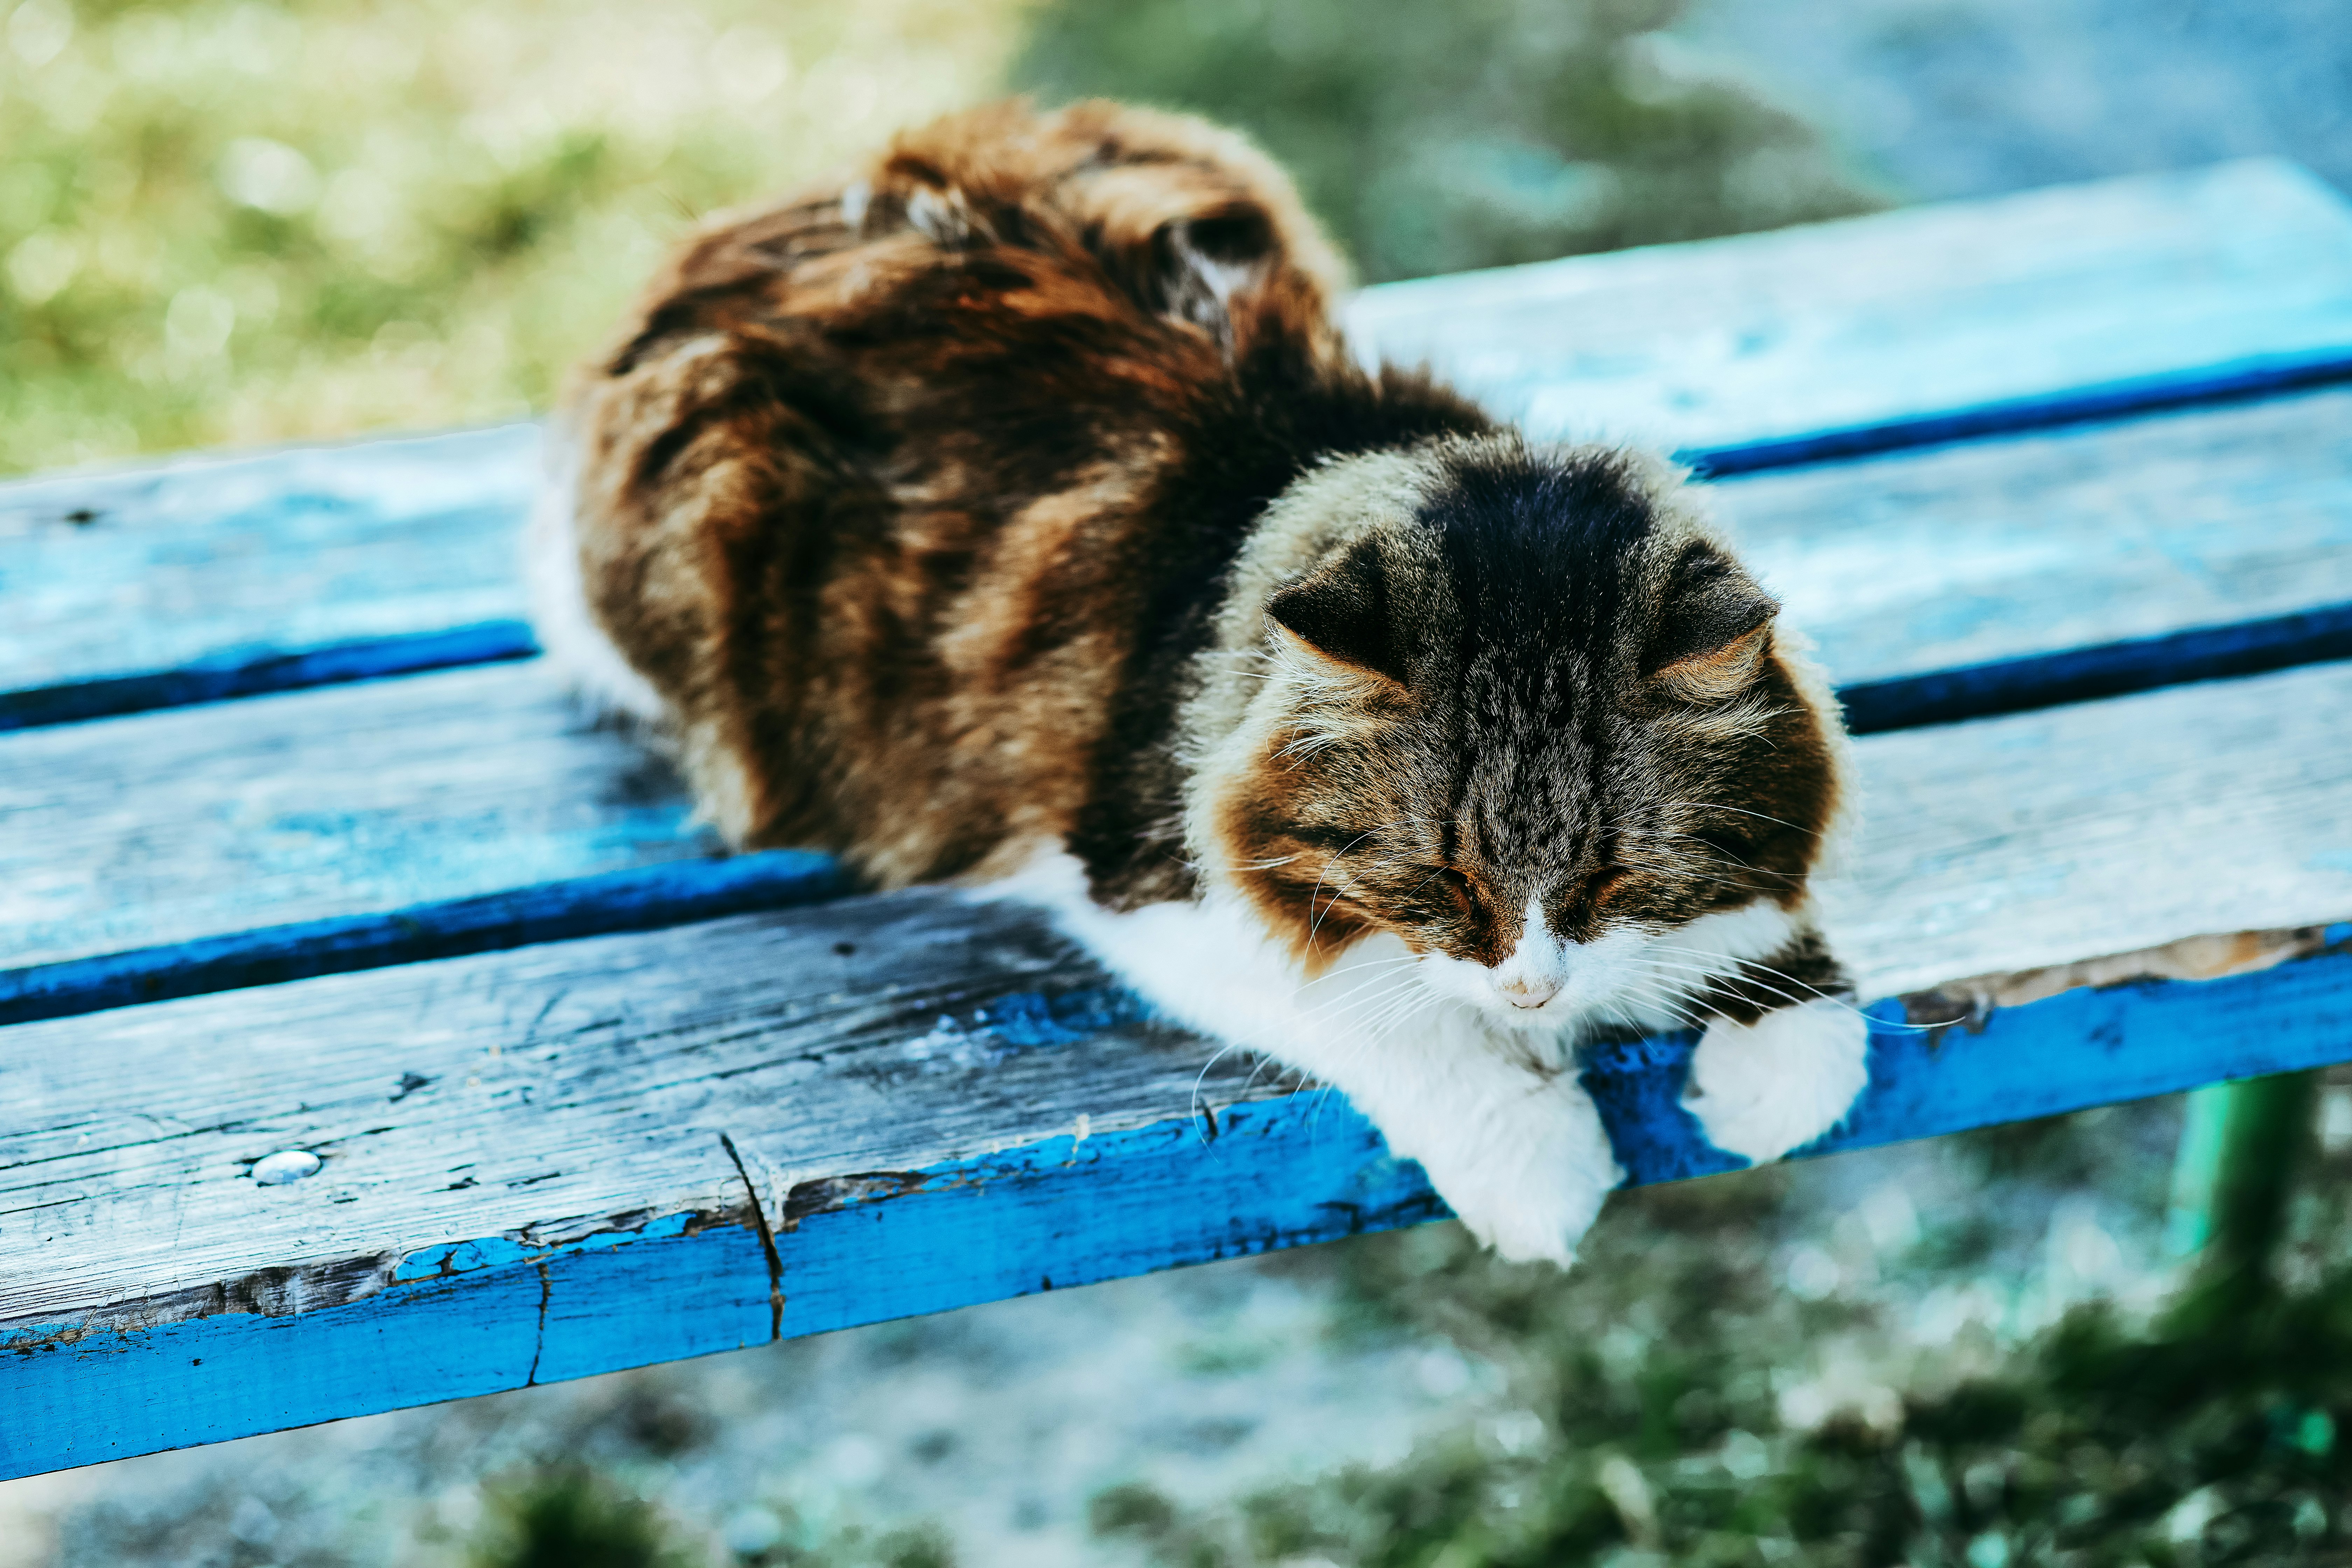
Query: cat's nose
<point x="1528" y="991"/>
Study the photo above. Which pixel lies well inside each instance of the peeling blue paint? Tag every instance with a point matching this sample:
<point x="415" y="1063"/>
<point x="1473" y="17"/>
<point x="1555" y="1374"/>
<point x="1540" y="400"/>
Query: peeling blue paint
<point x="455" y="1258"/>
<point x="469" y="1317"/>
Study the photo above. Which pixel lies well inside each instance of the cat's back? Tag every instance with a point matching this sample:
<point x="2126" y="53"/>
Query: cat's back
<point x="997" y="229"/>
<point x="856" y="504"/>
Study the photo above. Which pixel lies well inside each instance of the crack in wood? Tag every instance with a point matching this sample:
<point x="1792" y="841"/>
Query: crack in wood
<point x="767" y="1243"/>
<point x="538" y="1338"/>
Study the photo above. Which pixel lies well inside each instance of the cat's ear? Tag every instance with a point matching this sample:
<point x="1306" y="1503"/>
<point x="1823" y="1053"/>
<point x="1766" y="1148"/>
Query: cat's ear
<point x="1343" y="610"/>
<point x="1713" y="628"/>
<point x="1200" y="263"/>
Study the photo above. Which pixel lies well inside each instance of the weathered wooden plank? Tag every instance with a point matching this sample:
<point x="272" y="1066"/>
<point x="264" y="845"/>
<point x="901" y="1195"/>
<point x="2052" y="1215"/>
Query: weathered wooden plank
<point x="214" y="578"/>
<point x="306" y="832"/>
<point x="170" y="853"/>
<point x="525" y="1174"/>
<point x="2059" y="567"/>
<point x="1922" y="324"/>
<point x="1046" y="1215"/>
<point x="638" y="898"/>
<point x="2018" y="844"/>
<point x="163" y="828"/>
<point x="1068" y="1211"/>
<point x="1064" y="1211"/>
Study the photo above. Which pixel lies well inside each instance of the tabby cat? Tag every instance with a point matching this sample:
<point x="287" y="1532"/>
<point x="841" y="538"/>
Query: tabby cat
<point x="1012" y="513"/>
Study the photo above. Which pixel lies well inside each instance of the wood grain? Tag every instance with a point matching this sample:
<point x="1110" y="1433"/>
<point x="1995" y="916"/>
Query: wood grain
<point x="1962" y="555"/>
<point x="163" y="828"/>
<point x="1838" y="337"/>
<point x="209" y="577"/>
<point x="1939" y="584"/>
<point x="2108" y="827"/>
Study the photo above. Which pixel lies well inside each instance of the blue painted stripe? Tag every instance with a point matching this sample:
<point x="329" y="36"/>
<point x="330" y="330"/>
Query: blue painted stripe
<point x="2108" y="669"/>
<point x="252" y="671"/>
<point x="2239" y="379"/>
<point x="1068" y="1211"/>
<point x="672" y="892"/>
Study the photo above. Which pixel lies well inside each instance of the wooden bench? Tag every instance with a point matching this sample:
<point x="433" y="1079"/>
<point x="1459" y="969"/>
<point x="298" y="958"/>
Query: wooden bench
<point x="582" y="1093"/>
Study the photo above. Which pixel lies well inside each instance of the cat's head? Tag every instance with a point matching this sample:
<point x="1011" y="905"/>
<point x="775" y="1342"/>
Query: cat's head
<point x="1522" y="708"/>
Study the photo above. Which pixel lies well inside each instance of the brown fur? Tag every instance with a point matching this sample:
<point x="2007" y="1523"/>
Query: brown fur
<point x="1019" y="489"/>
<point x="904" y="494"/>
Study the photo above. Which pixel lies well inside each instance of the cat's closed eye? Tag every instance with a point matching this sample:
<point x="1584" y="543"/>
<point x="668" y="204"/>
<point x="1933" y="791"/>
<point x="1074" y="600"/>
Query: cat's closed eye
<point x="1458" y="887"/>
<point x="1605" y="885"/>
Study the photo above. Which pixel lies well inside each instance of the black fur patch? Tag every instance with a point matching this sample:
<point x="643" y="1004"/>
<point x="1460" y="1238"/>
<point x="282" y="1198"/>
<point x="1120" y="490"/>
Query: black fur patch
<point x="1804" y="970"/>
<point x="1279" y="414"/>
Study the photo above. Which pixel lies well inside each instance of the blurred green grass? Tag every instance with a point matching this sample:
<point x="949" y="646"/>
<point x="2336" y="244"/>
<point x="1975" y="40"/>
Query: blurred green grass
<point x="1679" y="1398"/>
<point x="225" y="222"/>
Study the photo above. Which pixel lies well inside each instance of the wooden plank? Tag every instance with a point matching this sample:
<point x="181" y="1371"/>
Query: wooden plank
<point x="171" y="853"/>
<point x="507" y="1313"/>
<point x="663" y="892"/>
<point x="543" y="1164"/>
<point x="2018" y="844"/>
<point x="166" y="826"/>
<point x="306" y="832"/>
<point x="2064" y="565"/>
<point x="214" y="578"/>
<point x="1923" y="324"/>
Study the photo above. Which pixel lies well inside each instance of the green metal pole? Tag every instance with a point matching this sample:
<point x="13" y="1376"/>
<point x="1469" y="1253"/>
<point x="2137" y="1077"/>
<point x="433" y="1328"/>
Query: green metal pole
<point x="2243" y="1148"/>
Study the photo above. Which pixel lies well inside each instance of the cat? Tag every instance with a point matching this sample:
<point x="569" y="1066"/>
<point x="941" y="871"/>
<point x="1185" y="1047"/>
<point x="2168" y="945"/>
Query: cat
<point x="1015" y="513"/>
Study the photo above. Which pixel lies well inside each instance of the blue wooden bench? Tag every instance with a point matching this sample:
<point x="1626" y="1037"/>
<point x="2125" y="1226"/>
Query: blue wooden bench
<point x="566" y="1091"/>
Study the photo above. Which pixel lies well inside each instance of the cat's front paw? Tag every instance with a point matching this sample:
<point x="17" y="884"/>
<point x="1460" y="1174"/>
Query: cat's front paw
<point x="1760" y="1089"/>
<point x="1529" y="1180"/>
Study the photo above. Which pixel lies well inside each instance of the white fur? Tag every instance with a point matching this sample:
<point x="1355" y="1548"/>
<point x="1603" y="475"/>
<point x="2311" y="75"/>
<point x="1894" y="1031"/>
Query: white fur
<point x="583" y="657"/>
<point x="1483" y="1092"/>
<point x="940" y="216"/>
<point x="1763" y="1089"/>
<point x="855" y="196"/>
<point x="1629" y="976"/>
<point x="1537" y="970"/>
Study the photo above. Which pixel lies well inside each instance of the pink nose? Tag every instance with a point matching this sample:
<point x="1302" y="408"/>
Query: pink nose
<point x="1528" y="992"/>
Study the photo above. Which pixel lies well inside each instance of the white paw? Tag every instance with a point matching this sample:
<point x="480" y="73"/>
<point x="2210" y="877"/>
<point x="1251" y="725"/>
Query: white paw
<point x="1763" y="1089"/>
<point x="1529" y="1179"/>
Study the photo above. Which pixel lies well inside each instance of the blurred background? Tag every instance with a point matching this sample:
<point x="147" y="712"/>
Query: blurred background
<point x="227" y="224"/>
